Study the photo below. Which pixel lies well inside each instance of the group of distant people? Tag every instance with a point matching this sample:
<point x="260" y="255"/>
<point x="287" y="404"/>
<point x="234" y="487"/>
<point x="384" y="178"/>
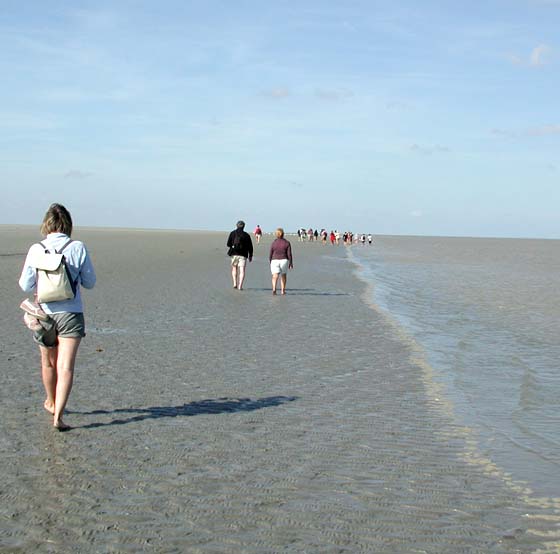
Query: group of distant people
<point x="240" y="250"/>
<point x="308" y="234"/>
<point x="350" y="238"/>
<point x="334" y="237"/>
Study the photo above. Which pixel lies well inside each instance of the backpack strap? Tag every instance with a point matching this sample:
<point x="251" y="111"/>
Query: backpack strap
<point x="60" y="250"/>
<point x="73" y="284"/>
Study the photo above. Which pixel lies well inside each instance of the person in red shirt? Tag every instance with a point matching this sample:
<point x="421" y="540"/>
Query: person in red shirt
<point x="258" y="233"/>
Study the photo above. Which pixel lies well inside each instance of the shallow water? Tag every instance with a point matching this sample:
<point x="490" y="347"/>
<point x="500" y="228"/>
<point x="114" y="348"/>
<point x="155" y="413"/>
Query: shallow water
<point x="487" y="314"/>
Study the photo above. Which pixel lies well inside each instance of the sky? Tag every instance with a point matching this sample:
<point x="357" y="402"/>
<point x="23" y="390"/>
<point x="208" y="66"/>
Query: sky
<point x="403" y="117"/>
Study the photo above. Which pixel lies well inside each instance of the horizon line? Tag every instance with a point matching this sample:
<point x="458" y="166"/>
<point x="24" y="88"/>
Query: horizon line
<point x="187" y="230"/>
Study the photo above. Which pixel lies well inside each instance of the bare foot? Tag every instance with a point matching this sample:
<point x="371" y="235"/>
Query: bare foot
<point x="61" y="426"/>
<point x="49" y="407"/>
<point x="283" y="292"/>
<point x="274" y="292"/>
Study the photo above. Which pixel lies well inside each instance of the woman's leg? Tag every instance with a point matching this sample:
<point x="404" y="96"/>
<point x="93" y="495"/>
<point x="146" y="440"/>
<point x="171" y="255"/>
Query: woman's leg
<point x="48" y="373"/>
<point x="67" y="350"/>
<point x="234" y="275"/>
<point x="274" y="281"/>
<point x="283" y="281"/>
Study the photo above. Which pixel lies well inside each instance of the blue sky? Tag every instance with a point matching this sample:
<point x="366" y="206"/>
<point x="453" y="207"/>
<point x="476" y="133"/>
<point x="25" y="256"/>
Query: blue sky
<point x="405" y="117"/>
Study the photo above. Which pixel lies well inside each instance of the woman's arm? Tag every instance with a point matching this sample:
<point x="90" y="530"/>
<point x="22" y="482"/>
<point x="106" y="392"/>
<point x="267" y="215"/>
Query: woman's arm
<point x="27" y="281"/>
<point x="28" y="278"/>
<point x="289" y="254"/>
<point x="87" y="273"/>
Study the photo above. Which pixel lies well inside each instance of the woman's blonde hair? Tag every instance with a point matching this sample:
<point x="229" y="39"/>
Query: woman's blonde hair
<point x="57" y="220"/>
<point x="280" y="232"/>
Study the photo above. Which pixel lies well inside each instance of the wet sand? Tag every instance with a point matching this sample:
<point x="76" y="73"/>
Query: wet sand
<point x="212" y="420"/>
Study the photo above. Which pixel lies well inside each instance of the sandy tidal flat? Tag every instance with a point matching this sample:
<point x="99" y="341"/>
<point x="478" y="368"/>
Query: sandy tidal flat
<point x="212" y="420"/>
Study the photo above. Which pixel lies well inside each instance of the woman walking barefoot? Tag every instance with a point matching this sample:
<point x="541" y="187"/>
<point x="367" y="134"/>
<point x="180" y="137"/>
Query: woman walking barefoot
<point x="60" y="338"/>
<point x="280" y="258"/>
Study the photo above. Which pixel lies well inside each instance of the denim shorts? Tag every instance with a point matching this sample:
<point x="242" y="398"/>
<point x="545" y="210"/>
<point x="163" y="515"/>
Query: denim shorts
<point x="66" y="325"/>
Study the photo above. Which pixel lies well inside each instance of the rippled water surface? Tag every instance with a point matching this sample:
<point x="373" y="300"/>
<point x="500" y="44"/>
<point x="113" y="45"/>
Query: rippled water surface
<point x="487" y="314"/>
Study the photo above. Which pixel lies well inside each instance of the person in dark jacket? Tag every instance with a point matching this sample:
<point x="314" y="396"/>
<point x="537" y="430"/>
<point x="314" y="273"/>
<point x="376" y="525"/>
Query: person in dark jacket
<point x="240" y="250"/>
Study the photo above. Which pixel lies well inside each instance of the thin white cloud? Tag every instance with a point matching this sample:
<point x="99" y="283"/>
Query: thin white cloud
<point x="27" y="121"/>
<point x="545" y="130"/>
<point x="333" y="95"/>
<point x="503" y="133"/>
<point x="416" y="213"/>
<point x="515" y="60"/>
<point x="428" y="150"/>
<point x="97" y="19"/>
<point x="348" y="26"/>
<point x="397" y="105"/>
<point x="69" y="94"/>
<point x="278" y="93"/>
<point x="542" y="131"/>
<point x="77" y="174"/>
<point x="539" y="55"/>
<point x="64" y="52"/>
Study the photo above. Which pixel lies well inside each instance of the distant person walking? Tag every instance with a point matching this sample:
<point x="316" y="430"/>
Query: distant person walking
<point x="240" y="250"/>
<point x="60" y="334"/>
<point x="258" y="233"/>
<point x="280" y="258"/>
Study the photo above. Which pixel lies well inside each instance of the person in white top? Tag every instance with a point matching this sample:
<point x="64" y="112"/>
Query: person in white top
<point x="60" y="337"/>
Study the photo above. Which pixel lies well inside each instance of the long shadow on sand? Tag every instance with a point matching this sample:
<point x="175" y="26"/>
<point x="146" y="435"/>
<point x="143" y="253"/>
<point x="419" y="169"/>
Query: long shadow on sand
<point x="201" y="407"/>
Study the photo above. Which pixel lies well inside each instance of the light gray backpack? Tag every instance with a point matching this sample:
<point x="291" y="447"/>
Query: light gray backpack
<point x="54" y="282"/>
